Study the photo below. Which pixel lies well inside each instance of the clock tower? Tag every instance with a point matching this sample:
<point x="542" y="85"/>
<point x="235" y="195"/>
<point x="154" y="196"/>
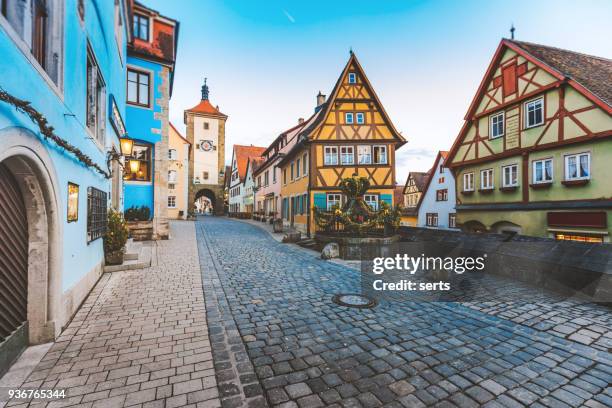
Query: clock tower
<point x="206" y="133"/>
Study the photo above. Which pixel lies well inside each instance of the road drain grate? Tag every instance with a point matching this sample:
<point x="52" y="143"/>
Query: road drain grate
<point x="354" y="300"/>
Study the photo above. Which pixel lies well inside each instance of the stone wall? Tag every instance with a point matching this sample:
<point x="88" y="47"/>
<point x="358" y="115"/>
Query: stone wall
<point x="567" y="267"/>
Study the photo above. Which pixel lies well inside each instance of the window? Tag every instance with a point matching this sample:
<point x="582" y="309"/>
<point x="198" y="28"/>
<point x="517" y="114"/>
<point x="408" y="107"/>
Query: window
<point x="534" y="113"/>
<point x="371" y="200"/>
<point x="543" y="171"/>
<point x="141" y="27"/>
<point x="138" y="85"/>
<point x="486" y="179"/>
<point x="510" y="176"/>
<point x="96" y="214"/>
<point x="332" y="200"/>
<point x="468" y="182"/>
<point x="441" y="170"/>
<point x="364" y="154"/>
<point x="96" y="99"/>
<point x="352" y="78"/>
<point x="347" y="155"/>
<point x="119" y="30"/>
<point x="172" y="176"/>
<point x="496" y="125"/>
<point x="432" y="219"/>
<point x="297" y="168"/>
<point x="452" y="220"/>
<point x="138" y="165"/>
<point x="267" y="177"/>
<point x="595" y="239"/>
<point x="305" y="164"/>
<point x="442" y="195"/>
<point x="172" y="154"/>
<point x="39" y="31"/>
<point x="348" y="118"/>
<point x="80" y="8"/>
<point x="360" y="118"/>
<point x="273" y="175"/>
<point x="171" y="186"/>
<point x="292" y="170"/>
<point x="380" y="154"/>
<point x="305" y="200"/>
<point x="331" y="155"/>
<point x="206" y="126"/>
<point x="171" y="201"/>
<point x="204" y="175"/>
<point x="578" y="166"/>
<point x="284" y="176"/>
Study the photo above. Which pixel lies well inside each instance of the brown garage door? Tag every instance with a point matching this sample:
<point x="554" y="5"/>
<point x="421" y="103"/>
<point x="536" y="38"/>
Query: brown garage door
<point x="13" y="256"/>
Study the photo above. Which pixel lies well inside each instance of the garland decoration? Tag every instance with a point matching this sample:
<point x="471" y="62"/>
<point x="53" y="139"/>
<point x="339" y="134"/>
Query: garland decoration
<point x="48" y="131"/>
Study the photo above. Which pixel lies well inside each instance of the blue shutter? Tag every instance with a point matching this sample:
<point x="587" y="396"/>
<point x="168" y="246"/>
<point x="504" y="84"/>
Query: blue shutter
<point x="301" y="202"/>
<point x="387" y="198"/>
<point x="320" y="200"/>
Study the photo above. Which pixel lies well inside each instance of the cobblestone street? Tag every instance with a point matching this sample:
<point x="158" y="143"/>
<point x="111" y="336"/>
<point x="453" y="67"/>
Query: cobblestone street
<point x="140" y="339"/>
<point x="303" y="350"/>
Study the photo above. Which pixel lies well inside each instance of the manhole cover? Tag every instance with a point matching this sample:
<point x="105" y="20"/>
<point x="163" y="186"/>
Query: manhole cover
<point x="354" y="300"/>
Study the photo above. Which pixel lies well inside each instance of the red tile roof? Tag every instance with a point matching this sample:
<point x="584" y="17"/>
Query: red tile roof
<point x="242" y="154"/>
<point x="206" y="107"/>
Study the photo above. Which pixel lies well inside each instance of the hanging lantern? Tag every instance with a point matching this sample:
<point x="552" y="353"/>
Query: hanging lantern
<point x="127" y="145"/>
<point x="134" y="166"/>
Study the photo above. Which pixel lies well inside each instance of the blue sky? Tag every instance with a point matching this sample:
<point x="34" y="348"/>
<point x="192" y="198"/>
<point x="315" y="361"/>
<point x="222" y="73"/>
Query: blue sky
<point x="266" y="60"/>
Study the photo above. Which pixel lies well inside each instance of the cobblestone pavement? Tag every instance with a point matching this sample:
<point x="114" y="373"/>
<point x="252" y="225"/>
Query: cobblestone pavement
<point x="140" y="339"/>
<point x="278" y="340"/>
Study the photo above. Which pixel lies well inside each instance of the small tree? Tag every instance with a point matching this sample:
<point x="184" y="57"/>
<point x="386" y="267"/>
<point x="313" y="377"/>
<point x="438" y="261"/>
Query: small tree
<point x="115" y="238"/>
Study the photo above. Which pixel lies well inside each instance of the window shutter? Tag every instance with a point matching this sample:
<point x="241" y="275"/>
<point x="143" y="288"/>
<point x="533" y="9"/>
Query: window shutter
<point x="320" y="200"/>
<point x="387" y="198"/>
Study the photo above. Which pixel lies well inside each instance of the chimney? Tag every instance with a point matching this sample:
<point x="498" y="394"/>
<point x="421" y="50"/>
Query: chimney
<point x="300" y="121"/>
<point x="320" y="99"/>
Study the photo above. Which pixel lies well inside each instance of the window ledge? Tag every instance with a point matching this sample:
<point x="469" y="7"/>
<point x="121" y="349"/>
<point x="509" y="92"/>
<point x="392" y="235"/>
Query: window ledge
<point x="467" y="192"/>
<point x="541" y="185"/>
<point x="508" y="189"/>
<point x="574" y="183"/>
<point x="486" y="190"/>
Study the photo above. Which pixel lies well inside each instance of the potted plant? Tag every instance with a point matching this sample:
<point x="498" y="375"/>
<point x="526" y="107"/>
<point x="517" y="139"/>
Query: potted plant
<point x="115" y="238"/>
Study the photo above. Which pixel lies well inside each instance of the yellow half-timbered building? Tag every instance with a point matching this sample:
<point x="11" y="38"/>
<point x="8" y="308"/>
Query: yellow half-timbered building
<point x="349" y="134"/>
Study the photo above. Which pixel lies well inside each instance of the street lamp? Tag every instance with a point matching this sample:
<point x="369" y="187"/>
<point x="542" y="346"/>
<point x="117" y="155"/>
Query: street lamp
<point x="127" y="145"/>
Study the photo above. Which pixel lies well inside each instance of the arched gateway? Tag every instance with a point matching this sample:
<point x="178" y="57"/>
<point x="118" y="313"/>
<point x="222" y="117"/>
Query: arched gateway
<point x="209" y="194"/>
<point x="30" y="235"/>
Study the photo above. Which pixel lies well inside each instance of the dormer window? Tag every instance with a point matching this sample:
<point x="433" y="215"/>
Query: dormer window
<point x="352" y="78"/>
<point x="141" y="27"/>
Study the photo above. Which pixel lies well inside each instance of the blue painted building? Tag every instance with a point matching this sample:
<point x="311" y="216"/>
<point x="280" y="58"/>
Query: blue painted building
<point x="150" y="73"/>
<point x="68" y="59"/>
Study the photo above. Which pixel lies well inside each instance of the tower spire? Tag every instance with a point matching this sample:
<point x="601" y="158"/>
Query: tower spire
<point x="205" y="91"/>
<point x="512" y="29"/>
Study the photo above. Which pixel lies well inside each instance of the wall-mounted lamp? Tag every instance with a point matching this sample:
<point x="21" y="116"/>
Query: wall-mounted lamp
<point x="127" y="145"/>
<point x="134" y="166"/>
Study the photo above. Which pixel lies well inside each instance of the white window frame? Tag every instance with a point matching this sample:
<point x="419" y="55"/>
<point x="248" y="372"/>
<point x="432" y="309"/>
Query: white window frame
<point x="544" y="180"/>
<point x="171" y="201"/>
<point x="347" y="155"/>
<point x="468" y="181"/>
<point x="452" y="217"/>
<point x="352" y="78"/>
<point x="330" y="158"/>
<point x="494" y="122"/>
<point x="305" y="164"/>
<point x="333" y="201"/>
<point x="360" y="118"/>
<point x="512" y="168"/>
<point x="362" y="154"/>
<point x="527" y="105"/>
<point x="489" y="178"/>
<point x="172" y="154"/>
<point x="298" y="168"/>
<point x="577" y="157"/>
<point x="386" y="154"/>
<point x="349" y="118"/>
<point x="371" y="198"/>
<point x="430" y="217"/>
<point x="172" y="176"/>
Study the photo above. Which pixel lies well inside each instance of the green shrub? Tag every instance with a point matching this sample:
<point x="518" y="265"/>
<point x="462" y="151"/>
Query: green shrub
<point x="142" y="213"/>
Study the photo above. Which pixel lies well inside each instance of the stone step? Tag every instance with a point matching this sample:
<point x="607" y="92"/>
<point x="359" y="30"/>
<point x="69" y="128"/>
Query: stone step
<point x="139" y="256"/>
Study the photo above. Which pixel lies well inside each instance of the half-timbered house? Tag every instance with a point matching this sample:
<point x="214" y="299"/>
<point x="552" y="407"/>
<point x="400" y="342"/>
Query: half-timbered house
<point x="349" y="134"/>
<point x="411" y="194"/>
<point x="534" y="153"/>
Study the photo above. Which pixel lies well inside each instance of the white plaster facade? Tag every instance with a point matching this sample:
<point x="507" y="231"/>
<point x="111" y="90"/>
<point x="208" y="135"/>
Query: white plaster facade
<point x="206" y="162"/>
<point x="432" y="201"/>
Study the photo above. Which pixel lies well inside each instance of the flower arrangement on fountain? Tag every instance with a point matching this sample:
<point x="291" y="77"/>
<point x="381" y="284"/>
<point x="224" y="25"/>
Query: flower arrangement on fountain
<point x="356" y="217"/>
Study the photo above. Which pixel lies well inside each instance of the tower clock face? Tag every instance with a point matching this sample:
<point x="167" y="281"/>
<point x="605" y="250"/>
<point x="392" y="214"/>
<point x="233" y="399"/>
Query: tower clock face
<point x="206" y="145"/>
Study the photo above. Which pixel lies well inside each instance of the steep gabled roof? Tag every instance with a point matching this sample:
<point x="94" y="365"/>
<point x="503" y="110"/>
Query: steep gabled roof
<point x="420" y="179"/>
<point x="442" y="155"/>
<point x="253" y="164"/>
<point x="206" y="108"/>
<point x="593" y="73"/>
<point x="325" y="107"/>
<point x="242" y="154"/>
<point x="179" y="134"/>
